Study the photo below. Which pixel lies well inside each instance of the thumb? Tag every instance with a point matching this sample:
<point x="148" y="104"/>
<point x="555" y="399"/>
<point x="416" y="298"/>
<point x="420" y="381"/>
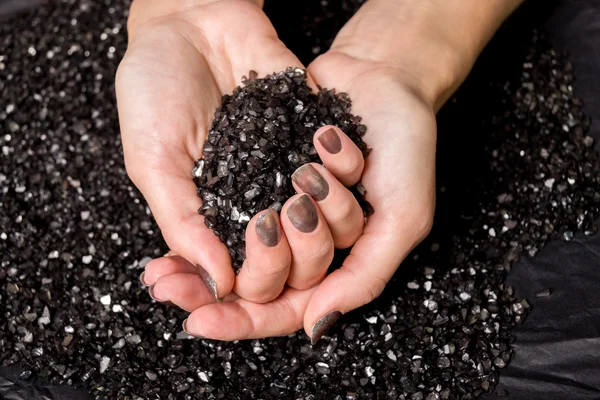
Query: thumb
<point x="374" y="259"/>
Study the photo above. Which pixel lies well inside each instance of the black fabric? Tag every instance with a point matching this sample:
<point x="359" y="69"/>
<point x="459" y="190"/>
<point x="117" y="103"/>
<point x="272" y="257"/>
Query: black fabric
<point x="9" y="8"/>
<point x="12" y="387"/>
<point x="558" y="347"/>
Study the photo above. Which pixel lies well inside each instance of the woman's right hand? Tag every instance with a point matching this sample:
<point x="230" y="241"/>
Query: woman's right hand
<point x="182" y="57"/>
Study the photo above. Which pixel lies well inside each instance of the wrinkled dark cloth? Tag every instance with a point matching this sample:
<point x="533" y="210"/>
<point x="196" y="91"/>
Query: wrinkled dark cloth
<point x="13" y="388"/>
<point x="9" y="7"/>
<point x="558" y="347"/>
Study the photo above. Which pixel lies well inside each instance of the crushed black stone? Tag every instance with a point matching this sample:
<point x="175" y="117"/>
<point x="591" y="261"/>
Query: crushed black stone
<point x="261" y="134"/>
<point x="64" y="195"/>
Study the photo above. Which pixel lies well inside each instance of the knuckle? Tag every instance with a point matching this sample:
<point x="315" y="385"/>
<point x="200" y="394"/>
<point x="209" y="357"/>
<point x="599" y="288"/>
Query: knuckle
<point x="305" y="283"/>
<point x="352" y="167"/>
<point x="273" y="271"/>
<point x="261" y="297"/>
<point x="121" y="74"/>
<point x="417" y="215"/>
<point x="345" y="208"/>
<point x="372" y="289"/>
<point x="324" y="253"/>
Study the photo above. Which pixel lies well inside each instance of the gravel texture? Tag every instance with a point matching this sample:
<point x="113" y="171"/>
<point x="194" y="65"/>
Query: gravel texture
<point x="261" y="134"/>
<point x="75" y="235"/>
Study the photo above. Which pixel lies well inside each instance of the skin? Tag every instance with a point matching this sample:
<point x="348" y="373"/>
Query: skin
<point x="398" y="60"/>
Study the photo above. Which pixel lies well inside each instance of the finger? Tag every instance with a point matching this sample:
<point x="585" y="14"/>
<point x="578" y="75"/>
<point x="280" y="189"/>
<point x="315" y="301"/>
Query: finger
<point x="268" y="259"/>
<point x="339" y="206"/>
<point x="310" y="241"/>
<point x="162" y="266"/>
<point x="243" y="319"/>
<point x="186" y="291"/>
<point x="339" y="154"/>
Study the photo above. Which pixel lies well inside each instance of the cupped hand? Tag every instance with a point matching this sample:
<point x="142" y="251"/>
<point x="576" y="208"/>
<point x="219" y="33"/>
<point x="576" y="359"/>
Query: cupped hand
<point x="179" y="63"/>
<point x="398" y="62"/>
<point x="399" y="178"/>
<point x="182" y="57"/>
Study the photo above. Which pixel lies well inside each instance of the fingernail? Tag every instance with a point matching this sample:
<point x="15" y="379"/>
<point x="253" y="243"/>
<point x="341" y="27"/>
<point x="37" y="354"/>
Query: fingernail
<point x="311" y="182"/>
<point x="267" y="228"/>
<point x="303" y="214"/>
<point x="322" y="326"/>
<point x="330" y="141"/>
<point x="142" y="281"/>
<point x="183" y="325"/>
<point x="208" y="281"/>
<point x="151" y="293"/>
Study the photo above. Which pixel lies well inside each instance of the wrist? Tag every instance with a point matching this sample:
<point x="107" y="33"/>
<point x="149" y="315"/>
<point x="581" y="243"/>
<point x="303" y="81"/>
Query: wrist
<point x="430" y="44"/>
<point x="143" y="11"/>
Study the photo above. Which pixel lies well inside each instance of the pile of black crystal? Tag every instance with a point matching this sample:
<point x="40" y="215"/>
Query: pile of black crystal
<point x="515" y="169"/>
<point x="260" y="135"/>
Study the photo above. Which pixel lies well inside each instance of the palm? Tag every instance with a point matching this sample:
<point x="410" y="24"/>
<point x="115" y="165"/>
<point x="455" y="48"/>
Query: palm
<point x="179" y="68"/>
<point x="168" y="87"/>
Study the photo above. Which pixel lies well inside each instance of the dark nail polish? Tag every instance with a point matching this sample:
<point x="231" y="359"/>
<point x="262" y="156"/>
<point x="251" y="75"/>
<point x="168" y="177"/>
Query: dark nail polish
<point x="311" y="182"/>
<point x="183" y="325"/>
<point x="142" y="281"/>
<point x="303" y="214"/>
<point x="267" y="228"/>
<point x="208" y="281"/>
<point x="322" y="326"/>
<point x="330" y="141"/>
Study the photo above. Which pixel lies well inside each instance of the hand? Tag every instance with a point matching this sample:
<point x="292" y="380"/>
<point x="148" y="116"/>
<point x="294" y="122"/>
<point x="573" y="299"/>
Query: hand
<point x="399" y="178"/>
<point x="169" y="84"/>
<point x="182" y="57"/>
<point x="396" y="86"/>
<point x="399" y="62"/>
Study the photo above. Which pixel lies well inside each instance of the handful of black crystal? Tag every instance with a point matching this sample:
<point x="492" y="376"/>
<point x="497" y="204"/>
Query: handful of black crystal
<point x="260" y="135"/>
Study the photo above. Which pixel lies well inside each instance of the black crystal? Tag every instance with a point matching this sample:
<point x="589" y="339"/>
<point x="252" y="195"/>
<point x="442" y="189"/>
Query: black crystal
<point x="260" y="135"/>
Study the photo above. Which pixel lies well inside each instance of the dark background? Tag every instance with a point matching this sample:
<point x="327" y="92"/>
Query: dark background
<point x="558" y="348"/>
